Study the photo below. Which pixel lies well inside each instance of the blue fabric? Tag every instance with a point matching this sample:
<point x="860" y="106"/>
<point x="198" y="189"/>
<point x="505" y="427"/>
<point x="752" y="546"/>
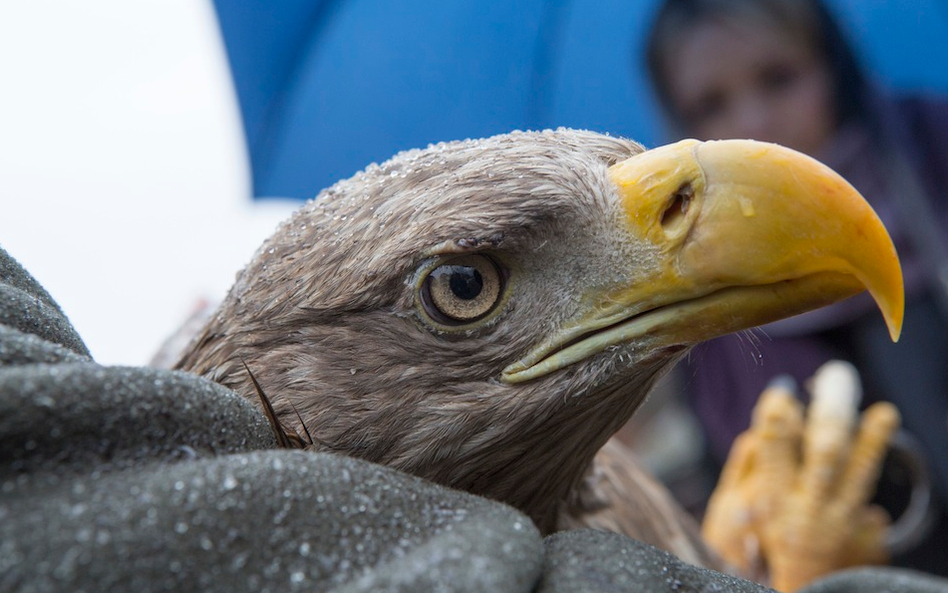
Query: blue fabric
<point x="326" y="87"/>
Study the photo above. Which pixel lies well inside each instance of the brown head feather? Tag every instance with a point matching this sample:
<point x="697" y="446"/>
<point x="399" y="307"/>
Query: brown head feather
<point x="328" y="317"/>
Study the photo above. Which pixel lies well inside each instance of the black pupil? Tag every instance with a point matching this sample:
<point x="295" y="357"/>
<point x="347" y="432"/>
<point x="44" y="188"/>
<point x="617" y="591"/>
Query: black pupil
<point x="466" y="282"/>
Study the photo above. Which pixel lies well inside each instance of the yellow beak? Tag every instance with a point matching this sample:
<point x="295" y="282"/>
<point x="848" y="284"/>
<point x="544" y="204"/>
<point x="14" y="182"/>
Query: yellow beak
<point x="744" y="233"/>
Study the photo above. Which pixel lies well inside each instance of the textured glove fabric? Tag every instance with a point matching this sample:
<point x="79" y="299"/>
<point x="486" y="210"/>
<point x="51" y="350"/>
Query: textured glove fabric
<point x="138" y="479"/>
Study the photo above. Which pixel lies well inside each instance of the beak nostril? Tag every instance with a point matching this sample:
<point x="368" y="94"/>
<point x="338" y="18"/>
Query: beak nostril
<point x="674" y="214"/>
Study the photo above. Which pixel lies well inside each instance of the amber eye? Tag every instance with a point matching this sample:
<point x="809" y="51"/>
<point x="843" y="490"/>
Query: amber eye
<point x="462" y="290"/>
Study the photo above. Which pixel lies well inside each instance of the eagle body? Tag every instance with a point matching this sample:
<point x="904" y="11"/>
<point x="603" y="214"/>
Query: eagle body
<point x="487" y="313"/>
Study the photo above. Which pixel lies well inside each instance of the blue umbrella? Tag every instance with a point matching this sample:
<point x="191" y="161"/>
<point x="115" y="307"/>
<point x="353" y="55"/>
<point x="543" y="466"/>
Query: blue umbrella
<point x="326" y="87"/>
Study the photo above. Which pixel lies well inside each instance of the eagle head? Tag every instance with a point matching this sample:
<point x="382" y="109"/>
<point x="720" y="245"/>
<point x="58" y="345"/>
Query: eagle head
<point x="487" y="313"/>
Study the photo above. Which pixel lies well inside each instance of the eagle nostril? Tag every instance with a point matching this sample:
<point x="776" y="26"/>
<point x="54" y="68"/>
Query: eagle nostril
<point x="677" y="209"/>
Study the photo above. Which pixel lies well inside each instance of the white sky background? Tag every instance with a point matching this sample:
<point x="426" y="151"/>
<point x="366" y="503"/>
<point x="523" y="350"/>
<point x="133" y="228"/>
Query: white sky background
<point x="124" y="183"/>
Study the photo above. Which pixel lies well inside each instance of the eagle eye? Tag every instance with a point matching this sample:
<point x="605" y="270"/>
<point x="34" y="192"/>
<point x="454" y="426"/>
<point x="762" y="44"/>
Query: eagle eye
<point x="462" y="289"/>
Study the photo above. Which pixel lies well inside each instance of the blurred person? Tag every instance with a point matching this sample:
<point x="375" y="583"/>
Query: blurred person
<point x="781" y="71"/>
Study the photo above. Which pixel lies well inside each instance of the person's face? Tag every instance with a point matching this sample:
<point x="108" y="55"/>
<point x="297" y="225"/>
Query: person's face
<point x="740" y="81"/>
